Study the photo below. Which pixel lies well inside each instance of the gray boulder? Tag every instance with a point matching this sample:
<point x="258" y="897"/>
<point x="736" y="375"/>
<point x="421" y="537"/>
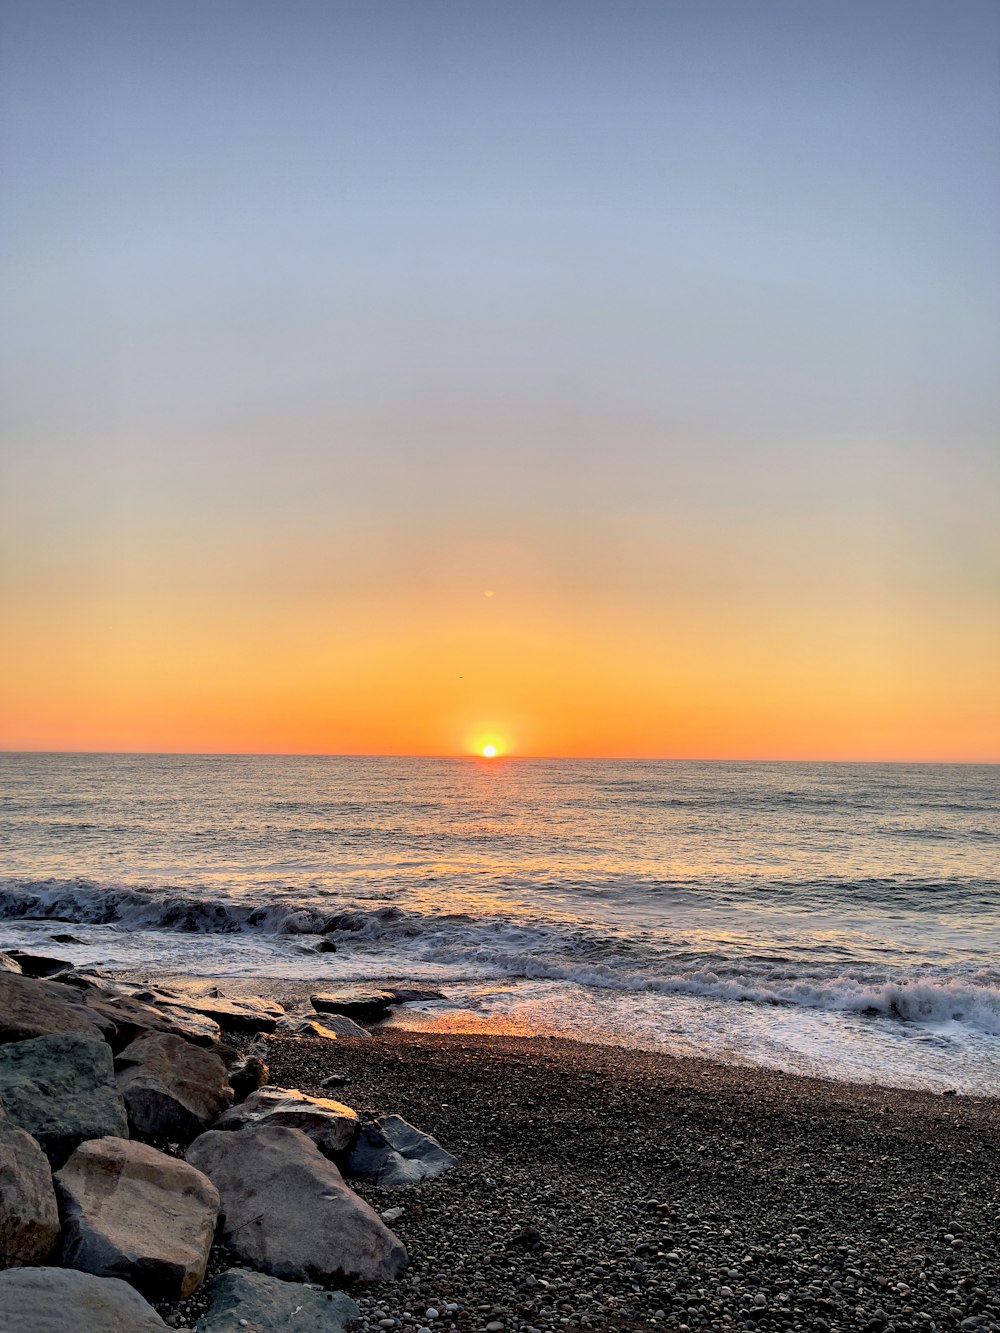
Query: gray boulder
<point x="172" y="1090"/>
<point x="331" y="1125"/>
<point x="390" y="1152"/>
<point x="53" y="1300"/>
<point x="135" y="1213"/>
<point x="27" y="1010"/>
<point x="244" y="1302"/>
<point x="29" y="1218"/>
<point x="331" y="1027"/>
<point x="287" y="1209"/>
<point x="61" y="1089"/>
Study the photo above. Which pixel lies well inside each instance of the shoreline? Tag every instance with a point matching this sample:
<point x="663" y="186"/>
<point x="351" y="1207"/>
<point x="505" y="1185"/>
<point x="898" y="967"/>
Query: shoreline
<point x="294" y="994"/>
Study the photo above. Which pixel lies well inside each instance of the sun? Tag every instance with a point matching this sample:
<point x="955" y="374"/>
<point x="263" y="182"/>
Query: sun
<point x="489" y="752"/>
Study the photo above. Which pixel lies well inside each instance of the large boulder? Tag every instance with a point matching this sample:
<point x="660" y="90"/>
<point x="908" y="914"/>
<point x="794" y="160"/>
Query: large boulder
<point x="8" y="964"/>
<point x="172" y="1090"/>
<point x="29" y="1218"/>
<point x="52" y="1300"/>
<point x="244" y="1302"/>
<point x="135" y="1213"/>
<point x="287" y="1209"/>
<point x="331" y="1125"/>
<point x="391" y="1153"/>
<point x="332" y="1027"/>
<point x="61" y="1089"/>
<point x="28" y="1010"/>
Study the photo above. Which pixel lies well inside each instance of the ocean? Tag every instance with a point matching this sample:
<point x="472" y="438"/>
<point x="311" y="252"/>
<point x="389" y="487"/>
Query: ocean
<point x="841" y="920"/>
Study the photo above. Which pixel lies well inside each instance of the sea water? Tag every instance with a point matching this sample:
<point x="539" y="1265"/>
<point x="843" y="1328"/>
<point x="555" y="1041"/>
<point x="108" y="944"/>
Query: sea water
<point x="831" y="919"/>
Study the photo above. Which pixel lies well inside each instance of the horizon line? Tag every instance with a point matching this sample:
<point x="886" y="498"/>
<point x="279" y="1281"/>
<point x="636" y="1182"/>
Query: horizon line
<point x="500" y="758"/>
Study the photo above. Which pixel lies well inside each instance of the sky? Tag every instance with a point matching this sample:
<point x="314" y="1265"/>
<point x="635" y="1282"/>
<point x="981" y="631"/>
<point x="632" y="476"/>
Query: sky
<point x="580" y="378"/>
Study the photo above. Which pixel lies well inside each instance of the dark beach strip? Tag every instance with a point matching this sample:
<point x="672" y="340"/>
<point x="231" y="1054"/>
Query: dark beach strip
<point x="595" y="1187"/>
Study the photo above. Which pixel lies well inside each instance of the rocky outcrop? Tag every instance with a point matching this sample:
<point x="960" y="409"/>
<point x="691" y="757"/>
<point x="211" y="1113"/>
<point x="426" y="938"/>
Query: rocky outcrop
<point x="171" y="1089"/>
<point x="54" y="1300"/>
<point x="135" y="1213"/>
<point x="29" y="1218"/>
<point x="131" y="1019"/>
<point x="243" y="1302"/>
<point x="28" y="1010"/>
<point x="287" y="1210"/>
<point x="61" y="1089"/>
<point x="391" y="1153"/>
<point x="331" y="1027"/>
<point x="8" y="964"/>
<point x="331" y="1125"/>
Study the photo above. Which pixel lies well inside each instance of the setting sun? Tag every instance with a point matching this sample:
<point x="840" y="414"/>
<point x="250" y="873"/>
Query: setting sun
<point x="489" y="751"/>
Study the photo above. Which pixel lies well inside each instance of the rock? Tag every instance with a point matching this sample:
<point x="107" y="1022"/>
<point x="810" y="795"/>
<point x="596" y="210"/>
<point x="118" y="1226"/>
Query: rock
<point x="288" y="1211"/>
<point x="52" y="1300"/>
<point x="247" y="1075"/>
<point x="392" y="1153"/>
<point x="331" y="1125"/>
<point x="27" y="1010"/>
<point x="135" y="1213"/>
<point x="61" y="1089"/>
<point x="332" y="1027"/>
<point x="244" y="1301"/>
<point x="37" y="965"/>
<point x="171" y="1089"/>
<point x="29" y="1217"/>
<point x="71" y="996"/>
<point x="248" y="1013"/>
<point x="391" y="1214"/>
<point x="64" y="937"/>
<point x="354" y="1002"/>
<point x="131" y="1019"/>
<point x="8" y="964"/>
<point x="415" y="995"/>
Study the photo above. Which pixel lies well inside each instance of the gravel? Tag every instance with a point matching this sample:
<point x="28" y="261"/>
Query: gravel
<point x="604" y="1188"/>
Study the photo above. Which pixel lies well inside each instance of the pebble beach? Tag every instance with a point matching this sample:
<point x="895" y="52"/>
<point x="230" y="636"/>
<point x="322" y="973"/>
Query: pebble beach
<point x="608" y="1188"/>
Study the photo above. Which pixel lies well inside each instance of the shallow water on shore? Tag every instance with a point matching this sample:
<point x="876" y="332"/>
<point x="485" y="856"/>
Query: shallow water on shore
<point x="828" y="918"/>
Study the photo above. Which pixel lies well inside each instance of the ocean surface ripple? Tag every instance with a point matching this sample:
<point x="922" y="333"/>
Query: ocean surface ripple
<point x="832" y="919"/>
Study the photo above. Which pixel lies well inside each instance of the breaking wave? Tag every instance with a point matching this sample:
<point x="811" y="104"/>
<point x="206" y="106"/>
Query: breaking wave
<point x="468" y="946"/>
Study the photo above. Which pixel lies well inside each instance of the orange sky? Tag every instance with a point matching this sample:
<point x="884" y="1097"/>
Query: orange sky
<point x="677" y="336"/>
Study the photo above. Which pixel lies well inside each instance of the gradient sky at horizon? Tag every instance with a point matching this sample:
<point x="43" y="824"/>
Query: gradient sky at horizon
<point x="589" y="378"/>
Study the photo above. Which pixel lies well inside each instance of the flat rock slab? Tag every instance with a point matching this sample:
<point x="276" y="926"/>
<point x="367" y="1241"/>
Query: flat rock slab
<point x="29" y="1217"/>
<point x="27" y="1010"/>
<point x="392" y="1154"/>
<point x="55" y="1300"/>
<point x="8" y="964"/>
<point x="135" y="1213"/>
<point x="131" y="1019"/>
<point x="331" y="1027"/>
<point x="354" y="1002"/>
<point x="246" y="1013"/>
<point x="38" y="965"/>
<point x="171" y="1089"/>
<point x="244" y="1302"/>
<point x="331" y="1125"/>
<point x="61" y="1089"/>
<point x="287" y="1210"/>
